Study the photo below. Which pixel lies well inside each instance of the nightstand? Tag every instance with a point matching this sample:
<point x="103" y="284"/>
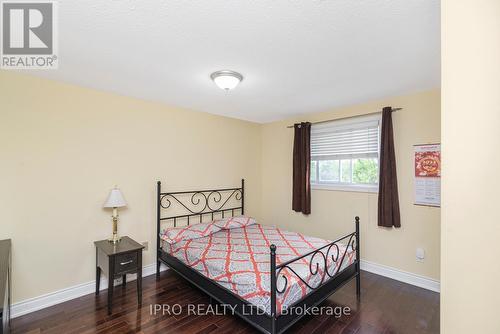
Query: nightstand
<point x="118" y="260"/>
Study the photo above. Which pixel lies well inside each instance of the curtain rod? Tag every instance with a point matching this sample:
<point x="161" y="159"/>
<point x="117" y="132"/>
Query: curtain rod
<point x="338" y="119"/>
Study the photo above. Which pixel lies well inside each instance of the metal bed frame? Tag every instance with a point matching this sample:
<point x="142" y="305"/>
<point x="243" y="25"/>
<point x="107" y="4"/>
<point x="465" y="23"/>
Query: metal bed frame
<point x="213" y="203"/>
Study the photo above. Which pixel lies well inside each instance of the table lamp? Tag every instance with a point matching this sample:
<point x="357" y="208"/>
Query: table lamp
<point x="115" y="200"/>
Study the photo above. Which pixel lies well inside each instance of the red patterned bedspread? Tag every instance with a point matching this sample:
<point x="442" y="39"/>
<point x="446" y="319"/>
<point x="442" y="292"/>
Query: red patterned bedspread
<point x="238" y="259"/>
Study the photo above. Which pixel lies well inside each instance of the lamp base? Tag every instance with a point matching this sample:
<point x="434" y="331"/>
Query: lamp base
<point x="115" y="239"/>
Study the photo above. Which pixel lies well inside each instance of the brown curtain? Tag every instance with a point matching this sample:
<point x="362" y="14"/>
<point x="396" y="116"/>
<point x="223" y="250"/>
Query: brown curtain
<point x="301" y="197"/>
<point x="388" y="200"/>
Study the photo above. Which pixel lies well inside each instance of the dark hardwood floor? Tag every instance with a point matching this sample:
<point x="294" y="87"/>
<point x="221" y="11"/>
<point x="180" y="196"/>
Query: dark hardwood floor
<point x="387" y="306"/>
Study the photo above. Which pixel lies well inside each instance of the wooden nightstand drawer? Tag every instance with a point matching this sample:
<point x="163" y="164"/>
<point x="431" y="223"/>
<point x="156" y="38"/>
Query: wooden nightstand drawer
<point x="125" y="263"/>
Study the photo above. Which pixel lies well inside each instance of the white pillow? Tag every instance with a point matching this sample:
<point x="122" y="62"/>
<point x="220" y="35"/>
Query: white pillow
<point x="173" y="235"/>
<point x="234" y="222"/>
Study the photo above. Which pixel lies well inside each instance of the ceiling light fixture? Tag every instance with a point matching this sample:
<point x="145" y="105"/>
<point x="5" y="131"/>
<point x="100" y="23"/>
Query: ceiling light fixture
<point x="226" y="79"/>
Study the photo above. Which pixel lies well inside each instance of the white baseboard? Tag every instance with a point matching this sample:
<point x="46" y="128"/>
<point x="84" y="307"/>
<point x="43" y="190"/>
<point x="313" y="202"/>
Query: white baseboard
<point x="53" y="298"/>
<point x="403" y="276"/>
<point x="56" y="297"/>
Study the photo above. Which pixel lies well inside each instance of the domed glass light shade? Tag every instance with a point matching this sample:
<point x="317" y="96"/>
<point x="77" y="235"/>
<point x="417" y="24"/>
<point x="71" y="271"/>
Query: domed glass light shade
<point x="226" y="79"/>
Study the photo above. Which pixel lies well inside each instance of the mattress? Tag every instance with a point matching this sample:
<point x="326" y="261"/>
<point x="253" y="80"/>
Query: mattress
<point x="239" y="260"/>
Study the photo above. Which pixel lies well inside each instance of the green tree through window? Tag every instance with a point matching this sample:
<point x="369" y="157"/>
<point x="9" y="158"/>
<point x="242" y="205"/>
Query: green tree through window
<point x="365" y="171"/>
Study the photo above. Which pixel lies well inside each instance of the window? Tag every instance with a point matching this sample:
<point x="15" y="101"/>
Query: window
<point x="345" y="154"/>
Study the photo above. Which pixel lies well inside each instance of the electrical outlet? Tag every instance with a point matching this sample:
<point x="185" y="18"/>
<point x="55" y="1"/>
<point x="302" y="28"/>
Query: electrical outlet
<point x="145" y="244"/>
<point x="420" y="254"/>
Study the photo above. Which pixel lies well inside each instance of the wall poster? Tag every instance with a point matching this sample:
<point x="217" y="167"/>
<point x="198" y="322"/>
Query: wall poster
<point x="428" y="174"/>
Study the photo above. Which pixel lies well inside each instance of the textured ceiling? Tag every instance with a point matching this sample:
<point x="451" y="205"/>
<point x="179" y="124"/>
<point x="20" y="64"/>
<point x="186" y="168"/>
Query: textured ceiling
<point x="296" y="56"/>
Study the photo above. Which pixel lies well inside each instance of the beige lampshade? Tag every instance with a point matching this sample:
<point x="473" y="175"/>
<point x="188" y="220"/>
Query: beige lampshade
<point x="115" y="199"/>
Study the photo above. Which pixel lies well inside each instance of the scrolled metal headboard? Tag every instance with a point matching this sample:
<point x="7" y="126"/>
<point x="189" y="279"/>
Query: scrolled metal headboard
<point x="197" y="204"/>
<point x="189" y="205"/>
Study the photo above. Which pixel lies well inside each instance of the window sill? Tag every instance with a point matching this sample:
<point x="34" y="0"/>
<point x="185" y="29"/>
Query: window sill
<point x="341" y="187"/>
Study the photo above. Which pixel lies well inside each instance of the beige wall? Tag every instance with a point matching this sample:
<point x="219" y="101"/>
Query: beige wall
<point x="471" y="146"/>
<point x="333" y="211"/>
<point x="63" y="147"/>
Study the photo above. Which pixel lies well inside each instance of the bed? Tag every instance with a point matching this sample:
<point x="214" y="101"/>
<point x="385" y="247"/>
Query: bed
<point x="264" y="273"/>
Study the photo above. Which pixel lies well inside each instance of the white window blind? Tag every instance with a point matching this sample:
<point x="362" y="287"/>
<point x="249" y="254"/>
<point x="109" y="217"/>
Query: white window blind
<point x="346" y="139"/>
<point x="345" y="154"/>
